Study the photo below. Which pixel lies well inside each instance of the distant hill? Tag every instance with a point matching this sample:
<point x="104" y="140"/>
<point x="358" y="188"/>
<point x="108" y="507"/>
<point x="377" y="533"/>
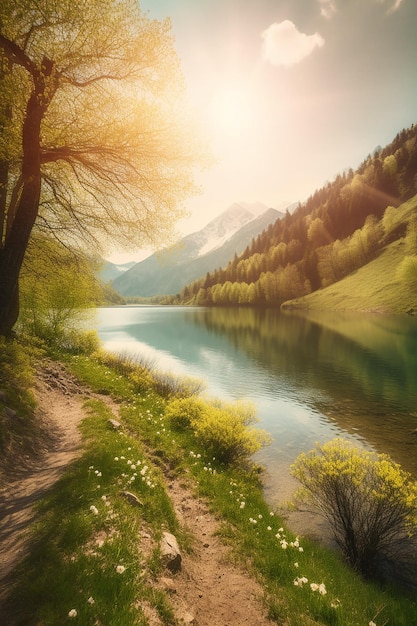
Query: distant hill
<point x="167" y="272"/>
<point x="339" y="230"/>
<point x="109" y="271"/>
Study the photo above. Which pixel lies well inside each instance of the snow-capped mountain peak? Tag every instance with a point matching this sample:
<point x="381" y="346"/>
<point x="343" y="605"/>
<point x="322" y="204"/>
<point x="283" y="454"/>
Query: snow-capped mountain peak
<point x="225" y="225"/>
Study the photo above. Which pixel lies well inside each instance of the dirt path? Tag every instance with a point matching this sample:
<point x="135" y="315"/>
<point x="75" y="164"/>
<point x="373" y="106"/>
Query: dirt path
<point x="209" y="587"/>
<point x="60" y="405"/>
<point x="208" y="591"/>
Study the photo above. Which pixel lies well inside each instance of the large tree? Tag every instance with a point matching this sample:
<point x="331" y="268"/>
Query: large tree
<point x="96" y="145"/>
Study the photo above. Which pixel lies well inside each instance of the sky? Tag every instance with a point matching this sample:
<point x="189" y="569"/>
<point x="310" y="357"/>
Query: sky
<point x="291" y="92"/>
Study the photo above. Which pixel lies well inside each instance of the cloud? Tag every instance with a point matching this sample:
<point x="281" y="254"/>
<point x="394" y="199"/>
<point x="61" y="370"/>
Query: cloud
<point x="328" y="8"/>
<point x="395" y="5"/>
<point x="284" y="45"/>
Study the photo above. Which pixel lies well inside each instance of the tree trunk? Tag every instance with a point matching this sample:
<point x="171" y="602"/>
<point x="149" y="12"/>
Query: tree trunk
<point x="14" y="248"/>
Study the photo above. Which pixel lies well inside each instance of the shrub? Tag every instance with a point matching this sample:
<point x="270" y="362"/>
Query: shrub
<point x="185" y="413"/>
<point x="371" y="504"/>
<point x="131" y="366"/>
<point x="407" y="271"/>
<point x="80" y="342"/>
<point x="221" y="428"/>
<point x="169" y="385"/>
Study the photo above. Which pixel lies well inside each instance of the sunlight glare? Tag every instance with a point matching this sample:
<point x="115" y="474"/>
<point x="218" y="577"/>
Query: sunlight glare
<point x="230" y="110"/>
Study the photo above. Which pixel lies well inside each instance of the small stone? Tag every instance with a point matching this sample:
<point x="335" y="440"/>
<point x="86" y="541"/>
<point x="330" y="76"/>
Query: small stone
<point x="168" y="584"/>
<point x="170" y="552"/>
<point x="186" y="618"/>
<point x="115" y="424"/>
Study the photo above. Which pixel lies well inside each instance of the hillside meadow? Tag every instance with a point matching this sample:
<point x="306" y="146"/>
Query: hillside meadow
<point x="378" y="286"/>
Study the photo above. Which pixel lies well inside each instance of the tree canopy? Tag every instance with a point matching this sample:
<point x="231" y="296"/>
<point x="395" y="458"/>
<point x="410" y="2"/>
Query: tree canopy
<point x="96" y="143"/>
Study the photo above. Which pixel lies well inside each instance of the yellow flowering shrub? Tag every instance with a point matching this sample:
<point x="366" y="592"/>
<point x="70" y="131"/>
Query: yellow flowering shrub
<point x="370" y="502"/>
<point x="222" y="428"/>
<point x="184" y="413"/>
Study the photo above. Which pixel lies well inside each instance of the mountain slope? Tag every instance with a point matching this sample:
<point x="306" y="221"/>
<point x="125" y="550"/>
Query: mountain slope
<point x="377" y="286"/>
<point x="338" y="230"/>
<point x="169" y="271"/>
<point x="109" y="271"/>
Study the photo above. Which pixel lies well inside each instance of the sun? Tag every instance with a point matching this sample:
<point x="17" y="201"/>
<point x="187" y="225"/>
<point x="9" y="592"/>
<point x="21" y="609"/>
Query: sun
<point x="230" y="110"/>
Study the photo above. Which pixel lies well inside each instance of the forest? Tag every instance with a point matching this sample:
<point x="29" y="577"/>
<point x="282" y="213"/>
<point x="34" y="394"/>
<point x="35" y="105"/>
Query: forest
<point x="340" y="227"/>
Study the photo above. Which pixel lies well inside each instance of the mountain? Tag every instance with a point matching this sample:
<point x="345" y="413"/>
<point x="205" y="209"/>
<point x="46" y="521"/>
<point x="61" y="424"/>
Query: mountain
<point x="340" y="229"/>
<point x="109" y="271"/>
<point x="213" y="246"/>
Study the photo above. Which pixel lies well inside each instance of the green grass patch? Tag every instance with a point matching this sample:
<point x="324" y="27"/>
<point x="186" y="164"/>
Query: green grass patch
<point x="87" y="554"/>
<point x="19" y="430"/>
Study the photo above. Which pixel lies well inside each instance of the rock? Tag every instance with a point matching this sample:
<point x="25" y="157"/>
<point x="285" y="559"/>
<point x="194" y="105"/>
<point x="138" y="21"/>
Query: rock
<point x="130" y="497"/>
<point x="170" y="552"/>
<point x="168" y="584"/>
<point x="115" y="424"/>
<point x="186" y="618"/>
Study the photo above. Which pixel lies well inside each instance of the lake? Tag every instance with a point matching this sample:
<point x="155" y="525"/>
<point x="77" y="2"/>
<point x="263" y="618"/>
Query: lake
<point x="312" y="376"/>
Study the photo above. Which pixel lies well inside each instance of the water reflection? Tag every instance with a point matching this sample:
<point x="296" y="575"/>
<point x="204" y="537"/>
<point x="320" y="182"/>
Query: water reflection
<point x="360" y="371"/>
<point x="312" y="376"/>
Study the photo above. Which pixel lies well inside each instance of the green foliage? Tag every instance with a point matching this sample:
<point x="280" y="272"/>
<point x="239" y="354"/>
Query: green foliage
<point x="16" y="370"/>
<point x="377" y="285"/>
<point x="80" y="342"/>
<point x="411" y="235"/>
<point x="170" y="385"/>
<point x="58" y="289"/>
<point x="138" y="373"/>
<point x="221" y="428"/>
<point x="19" y="431"/>
<point x="371" y="504"/>
<point x="407" y="272"/>
<point x="100" y="377"/>
<point x="184" y="413"/>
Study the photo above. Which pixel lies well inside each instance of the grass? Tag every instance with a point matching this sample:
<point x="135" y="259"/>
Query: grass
<point x="375" y="287"/>
<point x="19" y="430"/>
<point x="86" y="529"/>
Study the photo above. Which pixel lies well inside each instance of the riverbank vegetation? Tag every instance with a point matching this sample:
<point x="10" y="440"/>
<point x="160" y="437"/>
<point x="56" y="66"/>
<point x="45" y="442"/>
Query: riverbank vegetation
<point x="87" y="563"/>
<point x="339" y="230"/>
